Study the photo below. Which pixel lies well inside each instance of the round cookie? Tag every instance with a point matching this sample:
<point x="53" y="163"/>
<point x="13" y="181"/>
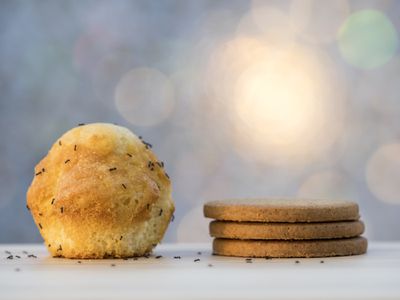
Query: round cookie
<point x="287" y="249"/>
<point x="285" y="231"/>
<point x="281" y="210"/>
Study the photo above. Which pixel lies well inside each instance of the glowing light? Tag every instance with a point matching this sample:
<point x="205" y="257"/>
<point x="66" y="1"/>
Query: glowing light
<point x="280" y="98"/>
<point x="383" y="173"/>
<point x="274" y="103"/>
<point x="194" y="227"/>
<point x="225" y="64"/>
<point x="367" y="39"/>
<point x="328" y="185"/>
<point x="144" y="97"/>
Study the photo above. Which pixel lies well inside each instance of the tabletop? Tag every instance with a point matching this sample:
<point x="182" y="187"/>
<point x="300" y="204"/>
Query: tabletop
<point x="190" y="271"/>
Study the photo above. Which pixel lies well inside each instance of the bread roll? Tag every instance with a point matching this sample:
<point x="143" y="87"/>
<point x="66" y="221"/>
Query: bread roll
<point x="100" y="192"/>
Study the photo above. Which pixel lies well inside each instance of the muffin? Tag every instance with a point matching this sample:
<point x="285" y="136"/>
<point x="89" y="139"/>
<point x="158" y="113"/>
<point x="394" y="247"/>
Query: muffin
<point x="100" y="192"/>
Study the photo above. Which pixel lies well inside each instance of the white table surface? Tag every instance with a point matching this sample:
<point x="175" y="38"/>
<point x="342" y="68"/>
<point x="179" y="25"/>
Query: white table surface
<point x="375" y="275"/>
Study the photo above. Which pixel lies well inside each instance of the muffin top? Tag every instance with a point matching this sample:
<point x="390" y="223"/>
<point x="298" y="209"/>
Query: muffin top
<point x="99" y="174"/>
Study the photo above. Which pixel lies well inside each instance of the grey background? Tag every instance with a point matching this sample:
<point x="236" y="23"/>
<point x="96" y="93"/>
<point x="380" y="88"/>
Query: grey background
<point x="48" y="86"/>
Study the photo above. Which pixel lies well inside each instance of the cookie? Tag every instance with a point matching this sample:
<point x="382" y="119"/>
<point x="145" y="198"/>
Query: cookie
<point x="285" y="231"/>
<point x="281" y="210"/>
<point x="287" y="249"/>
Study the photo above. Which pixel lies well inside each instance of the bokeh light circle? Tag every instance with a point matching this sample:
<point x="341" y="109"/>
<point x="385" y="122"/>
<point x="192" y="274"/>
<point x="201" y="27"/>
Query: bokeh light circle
<point x="284" y="101"/>
<point x="367" y="39"/>
<point x="276" y="104"/>
<point x="383" y="173"/>
<point x="145" y="97"/>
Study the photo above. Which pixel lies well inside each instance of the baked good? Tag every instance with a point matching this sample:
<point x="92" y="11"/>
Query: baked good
<point x="276" y="248"/>
<point x="282" y="227"/>
<point x="285" y="231"/>
<point x="281" y="210"/>
<point x="100" y="192"/>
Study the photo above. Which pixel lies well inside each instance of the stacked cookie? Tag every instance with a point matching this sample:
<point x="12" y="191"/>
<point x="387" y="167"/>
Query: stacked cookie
<point x="285" y="228"/>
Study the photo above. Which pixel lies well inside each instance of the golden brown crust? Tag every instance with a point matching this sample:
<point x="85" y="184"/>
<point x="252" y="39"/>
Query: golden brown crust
<point x="282" y="249"/>
<point x="285" y="231"/>
<point x="281" y="210"/>
<point x="99" y="192"/>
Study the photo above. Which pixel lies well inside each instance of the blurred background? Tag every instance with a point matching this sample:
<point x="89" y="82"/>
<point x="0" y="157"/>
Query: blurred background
<point x="239" y="98"/>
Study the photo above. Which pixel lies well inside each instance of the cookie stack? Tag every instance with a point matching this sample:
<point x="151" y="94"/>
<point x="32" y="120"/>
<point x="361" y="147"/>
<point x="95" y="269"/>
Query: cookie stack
<point x="285" y="228"/>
